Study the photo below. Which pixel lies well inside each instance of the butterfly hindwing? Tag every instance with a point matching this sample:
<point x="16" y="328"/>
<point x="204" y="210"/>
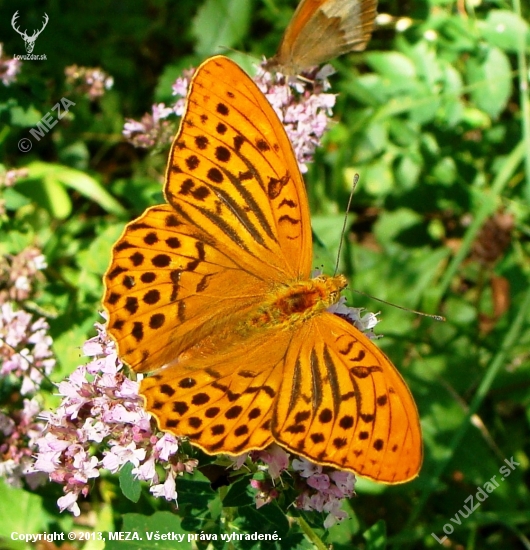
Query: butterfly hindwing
<point x="343" y="403"/>
<point x="223" y="402"/>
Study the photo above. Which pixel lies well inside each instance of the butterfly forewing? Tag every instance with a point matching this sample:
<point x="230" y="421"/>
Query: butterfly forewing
<point x="232" y="172"/>
<point x="170" y="286"/>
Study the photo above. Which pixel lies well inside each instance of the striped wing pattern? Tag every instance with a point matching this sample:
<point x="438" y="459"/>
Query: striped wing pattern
<point x="344" y="404"/>
<point x="232" y="172"/>
<point x="170" y="287"/>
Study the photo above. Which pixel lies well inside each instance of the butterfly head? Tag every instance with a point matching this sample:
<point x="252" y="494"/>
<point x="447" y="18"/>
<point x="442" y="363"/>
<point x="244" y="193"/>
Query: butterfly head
<point x="333" y="287"/>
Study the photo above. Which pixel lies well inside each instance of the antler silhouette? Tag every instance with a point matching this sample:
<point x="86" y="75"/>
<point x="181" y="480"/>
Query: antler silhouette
<point x="29" y="41"/>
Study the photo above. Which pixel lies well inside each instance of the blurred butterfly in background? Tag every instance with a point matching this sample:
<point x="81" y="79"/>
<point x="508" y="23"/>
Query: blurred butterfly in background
<point x="321" y="30"/>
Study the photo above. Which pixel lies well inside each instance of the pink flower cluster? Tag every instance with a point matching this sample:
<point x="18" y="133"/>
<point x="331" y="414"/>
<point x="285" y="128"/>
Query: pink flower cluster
<point x="25" y="346"/>
<point x="89" y="81"/>
<point x="9" y="68"/>
<point x="25" y="350"/>
<point x="302" y="106"/>
<point x="325" y="490"/>
<point x="19" y="273"/>
<point x="101" y="424"/>
<point x="320" y="489"/>
<point x="154" y="129"/>
<point x="19" y="432"/>
<point x="26" y="358"/>
<point x="275" y="461"/>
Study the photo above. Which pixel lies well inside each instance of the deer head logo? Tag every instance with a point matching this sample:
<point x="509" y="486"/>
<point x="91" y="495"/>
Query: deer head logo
<point x="29" y="41"/>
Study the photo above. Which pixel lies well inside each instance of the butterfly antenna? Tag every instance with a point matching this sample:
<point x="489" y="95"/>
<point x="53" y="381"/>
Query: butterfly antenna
<point x="355" y="180"/>
<point x="423" y="314"/>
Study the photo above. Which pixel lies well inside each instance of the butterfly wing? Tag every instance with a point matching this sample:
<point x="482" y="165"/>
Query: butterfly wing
<point x="323" y="391"/>
<point x="344" y="404"/>
<point x="236" y="224"/>
<point x="222" y="401"/>
<point x="170" y="286"/>
<point x="232" y="172"/>
<point x="321" y="30"/>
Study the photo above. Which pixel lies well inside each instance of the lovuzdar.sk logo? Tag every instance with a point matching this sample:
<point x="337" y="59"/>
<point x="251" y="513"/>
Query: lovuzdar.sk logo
<point x="29" y="41"/>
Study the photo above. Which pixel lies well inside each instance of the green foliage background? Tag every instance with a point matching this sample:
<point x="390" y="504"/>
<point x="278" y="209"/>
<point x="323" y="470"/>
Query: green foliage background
<point x="435" y="119"/>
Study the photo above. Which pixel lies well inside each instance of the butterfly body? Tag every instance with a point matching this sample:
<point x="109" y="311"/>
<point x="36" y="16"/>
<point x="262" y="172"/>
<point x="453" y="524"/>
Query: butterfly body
<point x="211" y="293"/>
<point x="297" y="302"/>
<point x="321" y="30"/>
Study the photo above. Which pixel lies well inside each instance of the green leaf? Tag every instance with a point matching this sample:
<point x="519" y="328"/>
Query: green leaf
<point x="267" y="519"/>
<point x="392" y="65"/>
<point x="453" y="107"/>
<point x="14" y="199"/>
<point x="97" y="257"/>
<point x="195" y="492"/>
<point x="427" y="63"/>
<point x="67" y="345"/>
<point x="220" y="24"/>
<point x="25" y="117"/>
<point x="476" y="118"/>
<point x="21" y="512"/>
<point x="160" y="531"/>
<point x="104" y="522"/>
<point x="404" y="132"/>
<point x="491" y="81"/>
<point x="79" y="181"/>
<point x="341" y="534"/>
<point x="408" y="170"/>
<point x="328" y="235"/>
<point x="376" y="536"/>
<point x="238" y="494"/>
<point x="47" y="193"/>
<point x="129" y="484"/>
<point x="505" y="29"/>
<point x="445" y="171"/>
<point x="373" y="142"/>
<point x="377" y="177"/>
<point x="390" y="224"/>
<point x="75" y="155"/>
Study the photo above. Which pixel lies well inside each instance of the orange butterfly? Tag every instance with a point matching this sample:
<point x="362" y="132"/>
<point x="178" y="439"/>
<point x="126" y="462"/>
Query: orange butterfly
<point x="212" y="293"/>
<point x="321" y="30"/>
